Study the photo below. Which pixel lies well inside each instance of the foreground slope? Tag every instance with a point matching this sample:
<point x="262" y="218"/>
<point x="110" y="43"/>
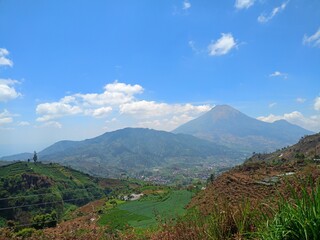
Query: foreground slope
<point x="228" y="126"/>
<point x="132" y="149"/>
<point x="308" y="148"/>
<point x="28" y="190"/>
<point x="263" y="176"/>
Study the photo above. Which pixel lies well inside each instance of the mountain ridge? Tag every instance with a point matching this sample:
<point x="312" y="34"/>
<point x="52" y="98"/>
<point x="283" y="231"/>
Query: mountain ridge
<point x="133" y="149"/>
<point x="228" y="126"/>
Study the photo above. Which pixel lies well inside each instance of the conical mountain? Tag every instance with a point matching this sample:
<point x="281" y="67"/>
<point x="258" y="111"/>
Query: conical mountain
<point x="227" y="126"/>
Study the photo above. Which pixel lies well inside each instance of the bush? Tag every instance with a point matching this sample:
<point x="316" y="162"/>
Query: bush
<point x="41" y="221"/>
<point x="2" y="222"/>
<point x="25" y="233"/>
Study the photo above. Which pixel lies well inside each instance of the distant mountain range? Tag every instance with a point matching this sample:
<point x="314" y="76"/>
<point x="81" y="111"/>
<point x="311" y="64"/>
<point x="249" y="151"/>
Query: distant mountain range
<point x="18" y="156"/>
<point x="227" y="126"/>
<point x="134" y="149"/>
<point x="221" y="136"/>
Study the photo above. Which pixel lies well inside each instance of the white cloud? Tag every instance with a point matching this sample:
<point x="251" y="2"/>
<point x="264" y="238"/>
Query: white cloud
<point x="50" y="124"/>
<point x="317" y="104"/>
<point x="93" y="104"/>
<point x="120" y="98"/>
<point x="271" y="105"/>
<point x="7" y="90"/>
<point x="5" y="117"/>
<point x="55" y="110"/>
<point x="186" y="5"/>
<point x="266" y="18"/>
<point x="150" y="109"/>
<point x="279" y="74"/>
<point x="23" y="123"/>
<point x="4" y="61"/>
<point x="162" y="116"/>
<point x="168" y="124"/>
<point x="223" y="45"/>
<point x="5" y="120"/>
<point x="241" y="4"/>
<point x="124" y="88"/>
<point x="144" y="108"/>
<point x="300" y="100"/>
<point x="101" y="112"/>
<point x="115" y="93"/>
<point x="112" y="120"/>
<point x="270" y="118"/>
<point x="313" y="40"/>
<point x="192" y="45"/>
<point x="311" y="123"/>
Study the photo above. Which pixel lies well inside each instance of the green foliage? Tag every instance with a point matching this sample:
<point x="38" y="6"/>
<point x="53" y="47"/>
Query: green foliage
<point x="41" y="221"/>
<point x="3" y="222"/>
<point x="35" y="157"/>
<point x="25" y="233"/>
<point x="42" y="189"/>
<point x="148" y="211"/>
<point x="296" y="220"/>
<point x="120" y="219"/>
<point x="131" y="150"/>
<point x="297" y="217"/>
<point x="299" y="156"/>
<point x="211" y="178"/>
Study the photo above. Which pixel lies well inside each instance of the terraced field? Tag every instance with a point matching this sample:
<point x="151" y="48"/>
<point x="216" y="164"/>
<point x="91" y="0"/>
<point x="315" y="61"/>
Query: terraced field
<point x="146" y="212"/>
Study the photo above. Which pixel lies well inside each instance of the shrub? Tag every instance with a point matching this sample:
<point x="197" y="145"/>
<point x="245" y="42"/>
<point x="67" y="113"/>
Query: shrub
<point x="45" y="220"/>
<point x="25" y="233"/>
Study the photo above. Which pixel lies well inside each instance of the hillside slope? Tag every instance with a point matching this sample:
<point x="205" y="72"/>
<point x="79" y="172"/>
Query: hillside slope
<point x="28" y="190"/>
<point x="133" y="149"/>
<point x="228" y="126"/>
<point x="308" y="148"/>
<point x="263" y="176"/>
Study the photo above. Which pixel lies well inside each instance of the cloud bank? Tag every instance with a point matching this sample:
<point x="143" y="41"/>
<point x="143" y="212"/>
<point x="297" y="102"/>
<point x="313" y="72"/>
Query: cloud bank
<point x="311" y="123"/>
<point x="120" y="99"/>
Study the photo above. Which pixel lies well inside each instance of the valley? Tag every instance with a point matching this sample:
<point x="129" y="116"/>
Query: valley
<point x="148" y="184"/>
<point x="216" y="141"/>
<point x="43" y="201"/>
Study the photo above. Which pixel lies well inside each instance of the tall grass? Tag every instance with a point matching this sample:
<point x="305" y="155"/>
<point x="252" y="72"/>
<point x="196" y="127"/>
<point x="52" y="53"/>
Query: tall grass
<point x="297" y="219"/>
<point x="294" y="216"/>
<point x="224" y="222"/>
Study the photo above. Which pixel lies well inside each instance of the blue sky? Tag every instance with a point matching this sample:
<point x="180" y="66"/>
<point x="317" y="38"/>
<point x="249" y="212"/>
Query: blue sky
<point x="76" y="69"/>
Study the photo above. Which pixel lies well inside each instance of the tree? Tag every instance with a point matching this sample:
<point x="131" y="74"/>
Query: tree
<point x="41" y="221"/>
<point x="35" y="157"/>
<point x="211" y="178"/>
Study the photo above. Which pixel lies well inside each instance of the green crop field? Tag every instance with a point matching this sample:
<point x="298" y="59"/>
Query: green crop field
<point x="146" y="212"/>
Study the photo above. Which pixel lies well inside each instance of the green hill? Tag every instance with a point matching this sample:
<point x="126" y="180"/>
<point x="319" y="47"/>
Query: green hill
<point x="40" y="194"/>
<point x="134" y="149"/>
